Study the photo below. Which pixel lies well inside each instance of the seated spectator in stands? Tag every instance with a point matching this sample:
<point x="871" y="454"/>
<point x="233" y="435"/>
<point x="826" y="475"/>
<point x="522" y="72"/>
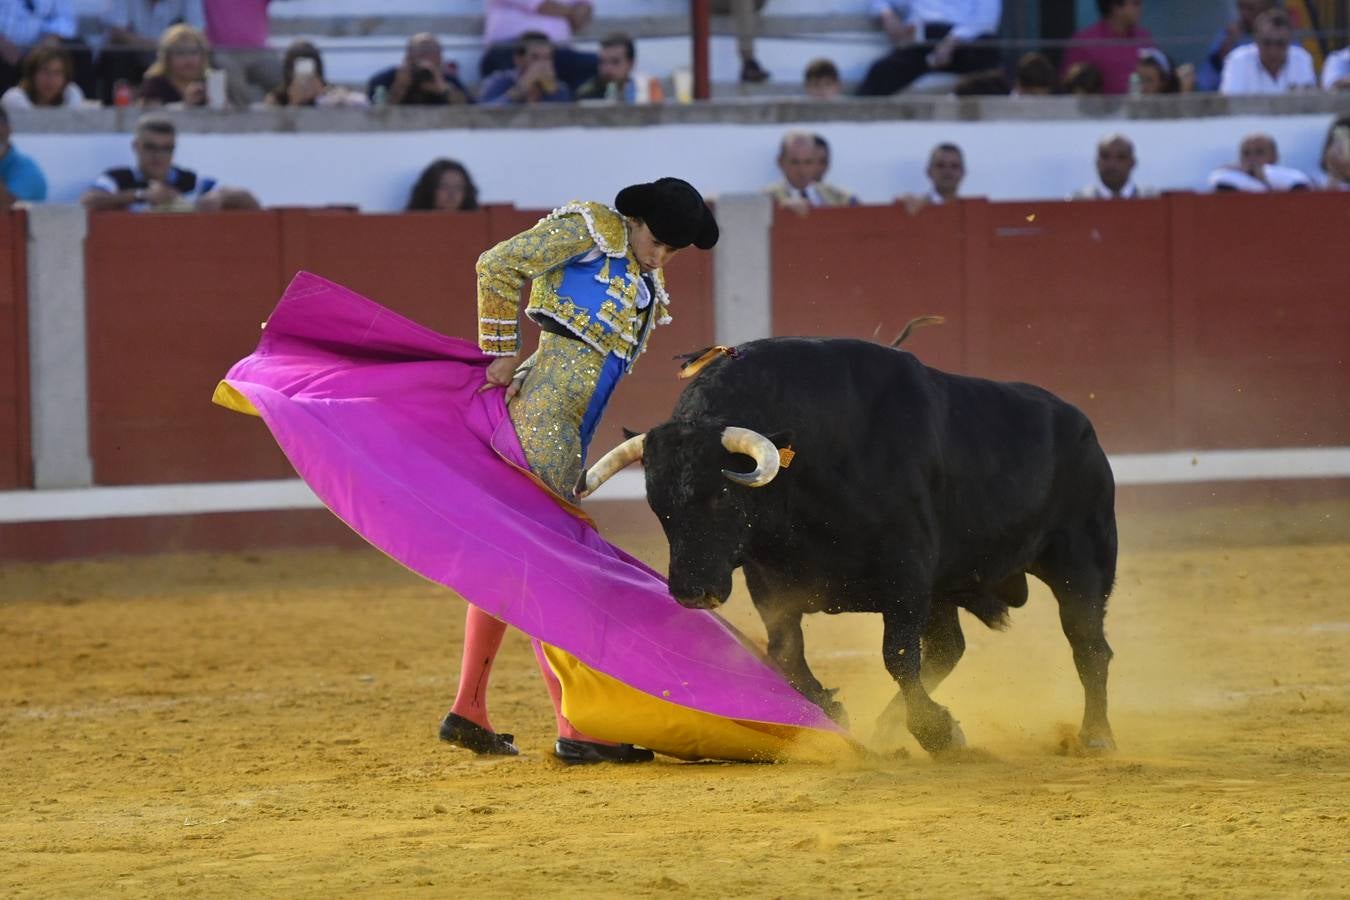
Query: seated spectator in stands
<point x="1112" y="44"/>
<point x="1159" y="75"/>
<point x="744" y="15"/>
<point x="422" y="79"/>
<point x="507" y="21"/>
<point x="821" y="80"/>
<point x="1036" y="76"/>
<point x="444" y="186"/>
<point x="615" y="80"/>
<point x="1082" y="79"/>
<point x="803" y="158"/>
<point x="1336" y="157"/>
<point x="533" y="80"/>
<point x="20" y="178"/>
<point x="1336" y="71"/>
<point x="988" y="83"/>
<point x="47" y="81"/>
<point x="1270" y="65"/>
<point x="134" y="32"/>
<point x="238" y="31"/>
<point x="1237" y="33"/>
<point x="1258" y="169"/>
<point x="303" y="84"/>
<point x="155" y="184"/>
<point x="178" y="74"/>
<point x="946" y="170"/>
<point x="1115" y="165"/>
<point x="28" y="24"/>
<point x="937" y="36"/>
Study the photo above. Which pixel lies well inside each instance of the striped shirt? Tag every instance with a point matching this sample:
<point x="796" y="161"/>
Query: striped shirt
<point x="24" y="21"/>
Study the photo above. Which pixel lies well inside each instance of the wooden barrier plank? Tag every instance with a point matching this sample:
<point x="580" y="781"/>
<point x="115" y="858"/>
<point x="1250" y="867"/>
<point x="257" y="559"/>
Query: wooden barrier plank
<point x="1262" y="351"/>
<point x="173" y="301"/>
<point x="15" y="443"/>
<point x="864" y="271"/>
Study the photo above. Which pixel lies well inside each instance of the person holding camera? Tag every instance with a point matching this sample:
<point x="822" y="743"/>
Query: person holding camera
<point x="303" y="84"/>
<point x="422" y="79"/>
<point x="533" y="80"/>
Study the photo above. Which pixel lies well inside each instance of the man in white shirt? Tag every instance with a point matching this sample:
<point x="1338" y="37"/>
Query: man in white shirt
<point x="1336" y="71"/>
<point x="948" y="36"/>
<point x="1269" y="65"/>
<point x="1258" y="170"/>
<point x="1115" y="166"/>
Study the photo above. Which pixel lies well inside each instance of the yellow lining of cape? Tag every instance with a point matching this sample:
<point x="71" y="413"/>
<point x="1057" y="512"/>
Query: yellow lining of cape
<point x="228" y="396"/>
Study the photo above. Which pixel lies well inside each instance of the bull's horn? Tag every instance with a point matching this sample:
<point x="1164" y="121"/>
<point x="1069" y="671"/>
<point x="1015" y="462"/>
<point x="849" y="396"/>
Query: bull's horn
<point x="757" y="446"/>
<point x="605" y="468"/>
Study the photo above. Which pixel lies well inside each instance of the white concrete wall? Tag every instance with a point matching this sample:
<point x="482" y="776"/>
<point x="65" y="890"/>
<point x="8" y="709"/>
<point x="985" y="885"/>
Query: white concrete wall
<point x="543" y="167"/>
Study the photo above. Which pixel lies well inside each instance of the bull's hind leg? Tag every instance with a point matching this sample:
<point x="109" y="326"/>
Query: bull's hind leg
<point x="943" y="643"/>
<point x="930" y="723"/>
<point x="1081" y="588"/>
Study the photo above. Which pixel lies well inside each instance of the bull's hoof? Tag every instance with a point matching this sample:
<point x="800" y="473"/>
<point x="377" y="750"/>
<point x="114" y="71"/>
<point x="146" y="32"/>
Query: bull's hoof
<point x="831" y="707"/>
<point x="958" y="739"/>
<point x="938" y="733"/>
<point x="1098" y="742"/>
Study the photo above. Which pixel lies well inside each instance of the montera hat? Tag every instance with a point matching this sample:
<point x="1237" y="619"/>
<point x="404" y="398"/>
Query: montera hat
<point x="673" y="210"/>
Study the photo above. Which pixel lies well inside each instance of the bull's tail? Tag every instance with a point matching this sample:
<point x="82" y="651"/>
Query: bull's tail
<point x="917" y="322"/>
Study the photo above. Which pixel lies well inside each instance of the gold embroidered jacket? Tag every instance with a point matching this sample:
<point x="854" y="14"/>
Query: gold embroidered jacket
<point x="584" y="278"/>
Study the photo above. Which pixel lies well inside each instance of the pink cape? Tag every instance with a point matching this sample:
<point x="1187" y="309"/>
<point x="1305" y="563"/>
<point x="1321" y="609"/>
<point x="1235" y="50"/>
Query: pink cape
<point x="384" y="420"/>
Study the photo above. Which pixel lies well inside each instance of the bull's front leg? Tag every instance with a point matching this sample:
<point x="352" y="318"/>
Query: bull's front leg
<point x="787" y="648"/>
<point x="930" y="723"/>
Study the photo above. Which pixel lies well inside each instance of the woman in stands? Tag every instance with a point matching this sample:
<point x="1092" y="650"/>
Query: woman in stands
<point x="1336" y="157"/>
<point x="47" y="81"/>
<point x="178" y="74"/>
<point x="303" y="84"/>
<point x="444" y="186"/>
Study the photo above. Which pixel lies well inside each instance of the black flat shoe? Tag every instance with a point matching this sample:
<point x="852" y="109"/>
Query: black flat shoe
<point x="584" y="753"/>
<point x="461" y="732"/>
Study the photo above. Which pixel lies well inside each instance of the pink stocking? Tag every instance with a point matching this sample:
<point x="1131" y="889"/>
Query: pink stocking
<point x="482" y="638"/>
<point x="565" y="728"/>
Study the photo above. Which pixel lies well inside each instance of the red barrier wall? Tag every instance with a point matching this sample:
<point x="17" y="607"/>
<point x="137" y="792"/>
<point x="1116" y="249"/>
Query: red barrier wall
<point x="1181" y="322"/>
<point x="16" y="470"/>
<point x="162" y="334"/>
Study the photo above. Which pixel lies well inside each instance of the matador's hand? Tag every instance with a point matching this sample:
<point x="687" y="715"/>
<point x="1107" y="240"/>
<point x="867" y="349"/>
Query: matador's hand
<point x="500" y="373"/>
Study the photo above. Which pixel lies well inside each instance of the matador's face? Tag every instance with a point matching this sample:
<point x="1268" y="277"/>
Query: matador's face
<point x="650" y="253"/>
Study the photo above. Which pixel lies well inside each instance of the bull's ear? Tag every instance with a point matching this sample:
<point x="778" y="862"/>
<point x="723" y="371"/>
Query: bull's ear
<point x="630" y="434"/>
<point x="781" y="439"/>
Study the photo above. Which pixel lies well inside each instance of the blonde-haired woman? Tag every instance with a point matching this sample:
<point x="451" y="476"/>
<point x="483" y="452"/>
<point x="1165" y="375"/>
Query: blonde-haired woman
<point x="178" y="74"/>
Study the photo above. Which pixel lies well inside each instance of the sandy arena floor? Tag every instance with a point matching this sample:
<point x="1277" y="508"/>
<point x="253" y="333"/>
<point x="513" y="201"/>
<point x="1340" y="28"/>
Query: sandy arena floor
<point x="266" y="725"/>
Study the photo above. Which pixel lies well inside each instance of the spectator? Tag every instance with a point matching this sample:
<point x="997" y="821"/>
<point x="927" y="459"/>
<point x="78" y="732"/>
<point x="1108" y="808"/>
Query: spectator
<point x="1083" y="79"/>
<point x="178" y="74"/>
<point x="1336" y="157"/>
<point x="744" y="13"/>
<point x="134" y="31"/>
<point x="1115" y="165"/>
<point x="1257" y="169"/>
<point x="821" y="80"/>
<point x="946" y="170"/>
<point x="444" y="186"/>
<point x="27" y="24"/>
<point x="533" y="80"/>
<point x="48" y="74"/>
<point x="1158" y="75"/>
<point x="803" y="158"/>
<point x="155" y="184"/>
<point x="988" y="83"/>
<point x="1237" y="33"/>
<point x="1036" y="76"/>
<point x="20" y="178"/>
<point x="303" y="84"/>
<point x="1112" y="44"/>
<point x="1269" y="65"/>
<point x="1336" y="71"/>
<point x="615" y="78"/>
<point x="238" y="31"/>
<point x="422" y="79"/>
<point x="507" y="21"/>
<point x="948" y="29"/>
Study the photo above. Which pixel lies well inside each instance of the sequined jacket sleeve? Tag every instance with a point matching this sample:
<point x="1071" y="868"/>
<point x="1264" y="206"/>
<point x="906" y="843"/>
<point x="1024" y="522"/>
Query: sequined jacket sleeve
<point x="503" y="271"/>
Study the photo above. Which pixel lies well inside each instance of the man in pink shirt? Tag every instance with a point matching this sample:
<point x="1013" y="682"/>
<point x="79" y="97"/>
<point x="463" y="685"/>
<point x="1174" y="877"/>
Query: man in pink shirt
<point x="1112" y="45"/>
<point x="506" y="20"/>
<point x="237" y="30"/>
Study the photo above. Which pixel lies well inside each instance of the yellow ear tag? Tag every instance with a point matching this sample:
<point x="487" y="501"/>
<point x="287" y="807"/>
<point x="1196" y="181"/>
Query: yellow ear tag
<point x="785" y="456"/>
<point x="692" y="368"/>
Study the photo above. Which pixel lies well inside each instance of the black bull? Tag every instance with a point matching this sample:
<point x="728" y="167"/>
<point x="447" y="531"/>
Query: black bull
<point x="913" y="493"/>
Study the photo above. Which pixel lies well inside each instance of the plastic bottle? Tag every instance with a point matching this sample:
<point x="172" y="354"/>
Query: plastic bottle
<point x="656" y="93"/>
<point x="381" y="96"/>
<point x="121" y="93"/>
<point x="1136" y="85"/>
